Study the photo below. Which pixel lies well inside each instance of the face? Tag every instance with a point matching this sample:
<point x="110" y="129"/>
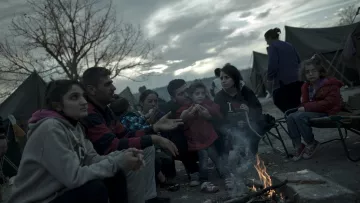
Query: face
<point x="150" y="102"/>
<point x="199" y="95"/>
<point x="74" y="103"/>
<point x="181" y="96"/>
<point x="226" y="81"/>
<point x="104" y="92"/>
<point x="311" y="73"/>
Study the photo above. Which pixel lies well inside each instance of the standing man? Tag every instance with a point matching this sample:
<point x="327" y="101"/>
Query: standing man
<point x="216" y="83"/>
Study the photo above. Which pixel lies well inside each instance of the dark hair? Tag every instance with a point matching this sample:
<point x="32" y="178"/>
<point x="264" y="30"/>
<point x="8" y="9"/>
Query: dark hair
<point x="119" y="106"/>
<point x="197" y="84"/>
<point x="145" y="94"/>
<point x="217" y="72"/>
<point x="56" y="90"/>
<point x="272" y="33"/>
<point x="174" y="85"/>
<point x="233" y="73"/>
<point x="317" y="62"/>
<point x="93" y="75"/>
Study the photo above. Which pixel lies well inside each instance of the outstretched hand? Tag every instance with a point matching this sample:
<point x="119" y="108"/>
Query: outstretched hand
<point x="166" y="124"/>
<point x="165" y="144"/>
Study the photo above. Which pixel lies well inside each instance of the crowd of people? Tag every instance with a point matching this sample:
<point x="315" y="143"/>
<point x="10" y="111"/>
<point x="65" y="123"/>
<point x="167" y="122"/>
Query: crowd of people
<point x="87" y="145"/>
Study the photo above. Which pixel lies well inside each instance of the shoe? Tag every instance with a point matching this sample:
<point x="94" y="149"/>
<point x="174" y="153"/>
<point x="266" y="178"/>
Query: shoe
<point x="311" y="149"/>
<point x="299" y="153"/>
<point x="159" y="200"/>
<point x="194" y="180"/>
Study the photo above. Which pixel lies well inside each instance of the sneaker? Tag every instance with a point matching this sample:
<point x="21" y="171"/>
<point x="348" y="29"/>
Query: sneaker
<point x="311" y="149"/>
<point x="194" y="180"/>
<point x="299" y="153"/>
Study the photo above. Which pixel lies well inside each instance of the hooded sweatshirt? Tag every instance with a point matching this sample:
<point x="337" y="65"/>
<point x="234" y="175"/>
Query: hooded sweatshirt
<point x="57" y="158"/>
<point x="326" y="98"/>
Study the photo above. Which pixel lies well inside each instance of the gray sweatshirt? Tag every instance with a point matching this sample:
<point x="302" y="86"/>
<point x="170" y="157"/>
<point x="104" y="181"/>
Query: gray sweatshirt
<point x="57" y="158"/>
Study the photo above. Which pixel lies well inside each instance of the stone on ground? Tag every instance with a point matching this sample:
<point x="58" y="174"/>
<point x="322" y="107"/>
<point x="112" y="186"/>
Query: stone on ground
<point x="329" y="192"/>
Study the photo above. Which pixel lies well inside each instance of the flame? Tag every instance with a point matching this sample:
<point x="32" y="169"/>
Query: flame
<point x="263" y="175"/>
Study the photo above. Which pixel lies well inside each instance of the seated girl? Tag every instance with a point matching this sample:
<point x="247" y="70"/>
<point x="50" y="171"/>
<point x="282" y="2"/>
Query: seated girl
<point x="59" y="164"/>
<point x="200" y="132"/>
<point x="320" y="97"/>
<point x="133" y="122"/>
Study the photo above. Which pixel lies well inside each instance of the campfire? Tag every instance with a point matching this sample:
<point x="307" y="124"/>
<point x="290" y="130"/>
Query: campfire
<point x="263" y="191"/>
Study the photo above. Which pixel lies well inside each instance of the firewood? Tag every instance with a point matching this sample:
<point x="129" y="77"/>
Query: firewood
<point x="256" y="194"/>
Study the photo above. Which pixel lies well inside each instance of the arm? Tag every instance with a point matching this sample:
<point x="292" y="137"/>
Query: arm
<point x="66" y="167"/>
<point x="273" y="66"/>
<point x="304" y="94"/>
<point x="214" y="109"/>
<point x="331" y="99"/>
<point x="212" y="89"/>
<point x="252" y="100"/>
<point x="106" y="140"/>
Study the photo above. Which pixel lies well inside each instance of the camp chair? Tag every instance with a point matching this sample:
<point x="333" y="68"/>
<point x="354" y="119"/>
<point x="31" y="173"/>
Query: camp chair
<point x="278" y="123"/>
<point x="346" y="121"/>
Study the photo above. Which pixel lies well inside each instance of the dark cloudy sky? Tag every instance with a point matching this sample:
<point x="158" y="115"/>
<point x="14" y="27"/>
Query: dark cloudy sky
<point x="194" y="37"/>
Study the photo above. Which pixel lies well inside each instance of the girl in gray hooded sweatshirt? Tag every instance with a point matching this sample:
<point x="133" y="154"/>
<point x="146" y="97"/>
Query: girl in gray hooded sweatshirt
<point x="59" y="164"/>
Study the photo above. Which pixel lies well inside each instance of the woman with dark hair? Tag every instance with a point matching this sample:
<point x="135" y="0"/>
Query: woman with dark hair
<point x="283" y="68"/>
<point x="239" y="105"/>
<point x="59" y="164"/>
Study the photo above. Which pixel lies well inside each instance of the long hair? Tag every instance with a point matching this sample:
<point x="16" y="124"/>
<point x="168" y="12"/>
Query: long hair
<point x="234" y="74"/>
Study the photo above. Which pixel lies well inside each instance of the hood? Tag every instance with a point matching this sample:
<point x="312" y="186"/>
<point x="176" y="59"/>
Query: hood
<point x="41" y="115"/>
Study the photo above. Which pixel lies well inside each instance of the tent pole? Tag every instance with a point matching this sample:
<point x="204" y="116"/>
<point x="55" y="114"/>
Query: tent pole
<point x="333" y="67"/>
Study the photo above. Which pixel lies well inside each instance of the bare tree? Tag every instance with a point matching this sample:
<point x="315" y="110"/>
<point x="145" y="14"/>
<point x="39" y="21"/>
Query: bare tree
<point x="61" y="38"/>
<point x="348" y="15"/>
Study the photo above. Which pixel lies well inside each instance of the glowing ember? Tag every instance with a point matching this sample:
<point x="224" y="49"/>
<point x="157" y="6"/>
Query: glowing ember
<point x="263" y="175"/>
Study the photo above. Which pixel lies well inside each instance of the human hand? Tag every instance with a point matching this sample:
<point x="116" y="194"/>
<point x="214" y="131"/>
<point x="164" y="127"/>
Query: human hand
<point x="188" y="113"/>
<point x="166" y="124"/>
<point x="204" y="112"/>
<point x="165" y="144"/>
<point x="134" y="159"/>
<point x="301" y="109"/>
<point x="244" y="107"/>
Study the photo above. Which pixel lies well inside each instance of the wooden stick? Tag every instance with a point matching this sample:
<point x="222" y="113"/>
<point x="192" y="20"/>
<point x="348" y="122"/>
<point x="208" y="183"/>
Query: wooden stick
<point x="256" y="194"/>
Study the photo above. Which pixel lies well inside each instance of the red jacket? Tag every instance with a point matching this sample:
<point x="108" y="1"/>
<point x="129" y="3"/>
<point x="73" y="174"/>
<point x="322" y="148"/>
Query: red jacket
<point x="327" y="98"/>
<point x="200" y="132"/>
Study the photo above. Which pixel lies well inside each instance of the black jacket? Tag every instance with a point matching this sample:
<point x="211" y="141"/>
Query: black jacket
<point x="230" y="106"/>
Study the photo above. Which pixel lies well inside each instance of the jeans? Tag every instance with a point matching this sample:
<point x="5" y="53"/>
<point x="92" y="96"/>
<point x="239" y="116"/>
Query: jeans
<point x="203" y="162"/>
<point x="97" y="191"/>
<point x="299" y="126"/>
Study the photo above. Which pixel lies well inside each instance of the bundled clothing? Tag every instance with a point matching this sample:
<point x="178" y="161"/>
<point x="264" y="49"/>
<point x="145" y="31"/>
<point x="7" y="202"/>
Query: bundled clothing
<point x="324" y="98"/>
<point x="199" y="132"/>
<point x="320" y="100"/>
<point x="57" y="158"/>
<point x="134" y="122"/>
<point x="230" y="108"/>
<point x="107" y="135"/>
<point x="201" y="135"/>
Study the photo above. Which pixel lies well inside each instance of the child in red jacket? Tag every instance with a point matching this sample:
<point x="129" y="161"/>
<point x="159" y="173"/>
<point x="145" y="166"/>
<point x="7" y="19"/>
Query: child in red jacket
<point x="320" y="96"/>
<point x="200" y="132"/>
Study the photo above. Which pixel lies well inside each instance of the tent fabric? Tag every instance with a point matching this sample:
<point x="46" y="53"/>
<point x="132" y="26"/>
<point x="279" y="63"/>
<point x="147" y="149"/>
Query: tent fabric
<point x="25" y="100"/>
<point x="127" y="94"/>
<point x="309" y="41"/>
<point x="259" y="73"/>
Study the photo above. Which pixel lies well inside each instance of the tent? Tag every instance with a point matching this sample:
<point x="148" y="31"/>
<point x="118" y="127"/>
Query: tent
<point x="127" y="94"/>
<point x="329" y="43"/>
<point x="351" y="53"/>
<point x="259" y="72"/>
<point x="25" y="100"/>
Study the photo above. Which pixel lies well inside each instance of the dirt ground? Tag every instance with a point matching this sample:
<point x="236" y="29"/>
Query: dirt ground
<point x="330" y="161"/>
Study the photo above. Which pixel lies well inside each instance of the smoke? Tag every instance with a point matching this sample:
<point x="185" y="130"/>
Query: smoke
<point x="240" y="159"/>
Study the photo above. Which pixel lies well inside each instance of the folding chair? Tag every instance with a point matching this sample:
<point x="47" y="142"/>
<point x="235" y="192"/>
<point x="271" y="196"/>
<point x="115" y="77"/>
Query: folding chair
<point x="278" y="123"/>
<point x="346" y="122"/>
